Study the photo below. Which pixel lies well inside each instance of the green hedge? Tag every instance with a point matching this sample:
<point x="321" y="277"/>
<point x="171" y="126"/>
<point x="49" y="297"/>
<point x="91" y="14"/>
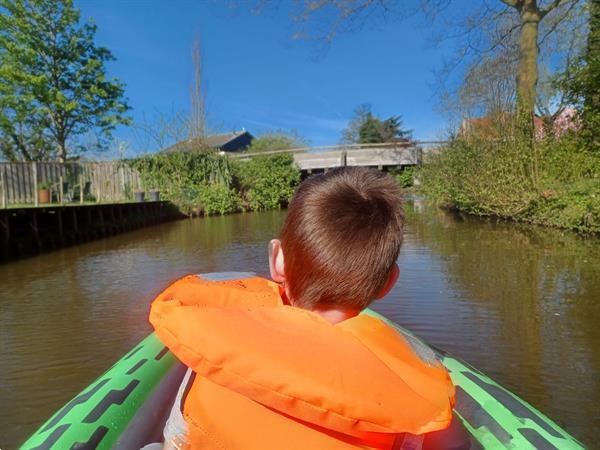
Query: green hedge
<point x="209" y="183"/>
<point x="266" y="182"/>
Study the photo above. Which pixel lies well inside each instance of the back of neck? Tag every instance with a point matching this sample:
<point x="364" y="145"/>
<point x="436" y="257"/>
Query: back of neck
<point x="334" y="315"/>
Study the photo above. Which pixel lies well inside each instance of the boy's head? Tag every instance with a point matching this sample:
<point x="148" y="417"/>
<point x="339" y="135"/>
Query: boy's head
<point x="340" y="240"/>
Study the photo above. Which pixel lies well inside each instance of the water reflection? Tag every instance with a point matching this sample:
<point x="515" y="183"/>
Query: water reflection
<point x="521" y="304"/>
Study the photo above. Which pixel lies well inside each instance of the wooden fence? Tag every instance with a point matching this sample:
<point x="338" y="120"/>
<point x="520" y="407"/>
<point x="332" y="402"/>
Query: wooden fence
<point x="103" y="182"/>
<point x="114" y="181"/>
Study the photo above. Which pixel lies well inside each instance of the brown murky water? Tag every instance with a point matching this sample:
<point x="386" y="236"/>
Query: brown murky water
<point x="521" y="305"/>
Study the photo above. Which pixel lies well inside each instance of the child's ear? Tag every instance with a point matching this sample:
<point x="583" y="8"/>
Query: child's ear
<point x="276" y="264"/>
<point x="389" y="284"/>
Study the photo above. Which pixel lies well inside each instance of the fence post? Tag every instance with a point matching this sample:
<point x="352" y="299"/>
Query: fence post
<point x="122" y="170"/>
<point x="60" y="189"/>
<point x="81" y="189"/>
<point x="35" y="183"/>
<point x="3" y="180"/>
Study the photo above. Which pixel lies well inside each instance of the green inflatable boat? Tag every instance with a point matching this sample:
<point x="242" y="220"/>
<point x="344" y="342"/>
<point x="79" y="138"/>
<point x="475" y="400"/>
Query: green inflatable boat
<point x="126" y="408"/>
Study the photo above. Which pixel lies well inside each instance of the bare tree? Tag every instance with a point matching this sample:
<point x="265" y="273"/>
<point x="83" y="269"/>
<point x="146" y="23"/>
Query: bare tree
<point x="531" y="14"/>
<point x="512" y="27"/>
<point x="486" y="89"/>
<point x="197" y="126"/>
<point x="162" y="130"/>
<point x="351" y="134"/>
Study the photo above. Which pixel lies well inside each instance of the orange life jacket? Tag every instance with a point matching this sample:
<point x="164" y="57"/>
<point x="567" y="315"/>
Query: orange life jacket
<point x="271" y="376"/>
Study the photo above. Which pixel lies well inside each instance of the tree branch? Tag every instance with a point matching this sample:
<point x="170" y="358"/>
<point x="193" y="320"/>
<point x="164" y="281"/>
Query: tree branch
<point x="559" y="21"/>
<point x="552" y="6"/>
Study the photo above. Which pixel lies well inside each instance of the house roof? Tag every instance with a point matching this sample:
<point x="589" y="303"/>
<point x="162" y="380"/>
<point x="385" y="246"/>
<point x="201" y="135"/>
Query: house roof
<point x="565" y="120"/>
<point x="214" y="141"/>
<point x="489" y="125"/>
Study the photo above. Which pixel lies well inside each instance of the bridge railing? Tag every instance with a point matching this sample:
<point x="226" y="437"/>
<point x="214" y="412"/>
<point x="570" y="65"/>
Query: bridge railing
<point x="341" y="147"/>
<point x="375" y="155"/>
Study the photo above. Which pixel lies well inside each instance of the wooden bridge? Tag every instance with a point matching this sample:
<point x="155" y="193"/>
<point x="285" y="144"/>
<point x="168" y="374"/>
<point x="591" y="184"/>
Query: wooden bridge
<point x="394" y="154"/>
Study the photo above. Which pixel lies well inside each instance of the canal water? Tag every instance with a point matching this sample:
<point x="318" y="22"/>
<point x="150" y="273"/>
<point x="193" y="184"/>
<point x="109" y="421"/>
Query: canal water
<point x="521" y="305"/>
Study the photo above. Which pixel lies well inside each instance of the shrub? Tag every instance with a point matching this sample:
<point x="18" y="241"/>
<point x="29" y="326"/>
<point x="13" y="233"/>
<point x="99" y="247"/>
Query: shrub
<point x="555" y="182"/>
<point x="479" y="176"/>
<point x="211" y="184"/>
<point x="575" y="206"/>
<point x="405" y="177"/>
<point x="266" y="182"/>
<point x="219" y="199"/>
<point x="183" y="177"/>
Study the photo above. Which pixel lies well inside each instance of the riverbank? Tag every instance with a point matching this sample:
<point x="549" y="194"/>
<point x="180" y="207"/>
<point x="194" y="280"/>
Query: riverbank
<point x="554" y="184"/>
<point x="557" y="185"/>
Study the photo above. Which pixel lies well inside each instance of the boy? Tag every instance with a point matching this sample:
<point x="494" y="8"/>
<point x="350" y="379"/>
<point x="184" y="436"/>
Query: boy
<point x="294" y="365"/>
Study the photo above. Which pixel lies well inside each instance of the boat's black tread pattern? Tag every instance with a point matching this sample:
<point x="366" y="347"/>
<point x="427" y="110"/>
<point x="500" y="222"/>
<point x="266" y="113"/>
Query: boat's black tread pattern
<point x="162" y="353"/>
<point x="52" y="438"/>
<point x="477" y="417"/>
<point x="136" y="366"/>
<point x="76" y="401"/>
<point x="113" y="397"/>
<point x="93" y="441"/>
<point x="537" y="440"/>
<point x="133" y="352"/>
<point x="512" y="404"/>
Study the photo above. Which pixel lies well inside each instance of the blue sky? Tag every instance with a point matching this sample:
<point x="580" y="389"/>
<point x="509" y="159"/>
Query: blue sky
<point x="258" y="77"/>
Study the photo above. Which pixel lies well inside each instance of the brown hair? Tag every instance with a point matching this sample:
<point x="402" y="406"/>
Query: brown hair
<point x="341" y="237"/>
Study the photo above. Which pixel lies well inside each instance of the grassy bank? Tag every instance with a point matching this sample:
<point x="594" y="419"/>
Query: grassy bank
<point x="206" y="183"/>
<point x="555" y="182"/>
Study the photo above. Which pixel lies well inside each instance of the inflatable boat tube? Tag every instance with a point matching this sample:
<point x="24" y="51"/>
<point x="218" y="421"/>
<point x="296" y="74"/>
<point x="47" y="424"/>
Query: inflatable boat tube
<point x="126" y="408"/>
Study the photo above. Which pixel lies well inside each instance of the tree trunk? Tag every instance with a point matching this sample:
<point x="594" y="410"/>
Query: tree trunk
<point x="527" y="75"/>
<point x="62" y="151"/>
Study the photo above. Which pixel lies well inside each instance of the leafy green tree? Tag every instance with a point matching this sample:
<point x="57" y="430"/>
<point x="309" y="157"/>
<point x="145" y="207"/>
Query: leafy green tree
<point x="392" y="130"/>
<point x="592" y="97"/>
<point x="584" y="83"/>
<point x="366" y="128"/>
<point x="276" y="140"/>
<point x="371" y="130"/>
<point x="53" y="75"/>
<point x="21" y="140"/>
